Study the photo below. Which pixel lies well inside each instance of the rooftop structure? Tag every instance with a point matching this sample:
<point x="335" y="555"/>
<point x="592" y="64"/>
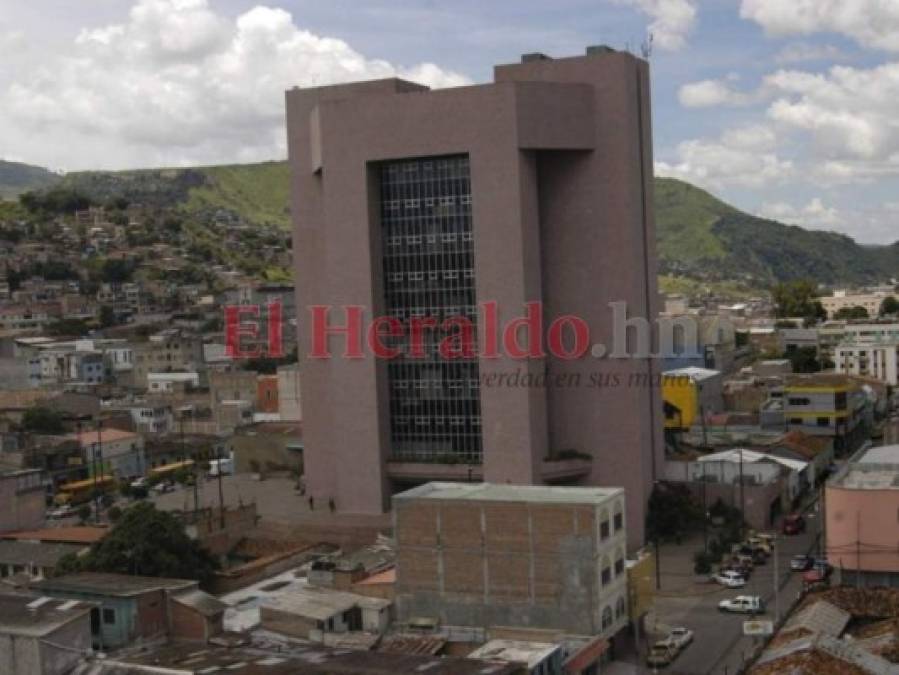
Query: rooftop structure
<point x="63" y="535"/>
<point x="36" y="616"/>
<point x="694" y="373"/>
<point x="738" y="455"/>
<point x="510" y="493"/>
<point x="874" y="469"/>
<point x="116" y="585"/>
<point x="319" y="603"/>
<point x="270" y="655"/>
<point x="517" y="651"/>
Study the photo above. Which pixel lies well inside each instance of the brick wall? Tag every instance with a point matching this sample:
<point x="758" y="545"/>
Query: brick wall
<point x="152" y="615"/>
<point x="187" y="624"/>
<point x="499" y="563"/>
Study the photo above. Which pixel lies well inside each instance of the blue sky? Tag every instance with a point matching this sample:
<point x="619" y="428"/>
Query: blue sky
<point x="786" y="108"/>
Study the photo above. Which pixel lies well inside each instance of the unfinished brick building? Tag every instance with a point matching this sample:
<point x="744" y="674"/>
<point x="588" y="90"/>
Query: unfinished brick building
<point x="501" y="555"/>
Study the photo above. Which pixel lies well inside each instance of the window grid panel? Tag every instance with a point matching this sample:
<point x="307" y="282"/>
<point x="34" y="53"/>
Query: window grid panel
<point x="428" y="265"/>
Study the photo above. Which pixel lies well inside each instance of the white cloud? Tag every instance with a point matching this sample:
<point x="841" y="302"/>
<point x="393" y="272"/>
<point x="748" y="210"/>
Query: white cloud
<point x="871" y="23"/>
<point x="744" y="157"/>
<point x="813" y="215"/>
<point x="844" y="119"/>
<point x="875" y="224"/>
<point x="708" y="93"/>
<point x="672" y="20"/>
<point x="178" y="83"/>
<point x="849" y="113"/>
<point x="803" y="52"/>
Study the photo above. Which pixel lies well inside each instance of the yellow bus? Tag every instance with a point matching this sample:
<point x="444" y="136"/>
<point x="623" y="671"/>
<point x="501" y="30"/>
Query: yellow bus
<point x="168" y="471"/>
<point x="81" y="491"/>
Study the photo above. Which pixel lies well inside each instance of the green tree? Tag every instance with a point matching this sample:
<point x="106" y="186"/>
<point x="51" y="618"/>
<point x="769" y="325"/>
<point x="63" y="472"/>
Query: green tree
<point x="797" y="299"/>
<point x="672" y="512"/>
<point x="84" y="513"/>
<point x="116" y="271"/>
<point x="107" y="316"/>
<point x="849" y="313"/>
<point x="145" y="541"/>
<point x="890" y="305"/>
<point x="41" y="420"/>
<point x="804" y="360"/>
<point x="68" y="327"/>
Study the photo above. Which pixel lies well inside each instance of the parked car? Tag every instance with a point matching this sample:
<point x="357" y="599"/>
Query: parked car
<point x="793" y="524"/>
<point x="678" y="638"/>
<point x="63" y="511"/>
<point x="821" y="565"/>
<point x="139" y="483"/>
<point x="730" y="579"/>
<point x="661" y="654"/>
<point x="740" y="568"/>
<point x="800" y="563"/>
<point x="760" y="543"/>
<point x="815" y="579"/>
<point x="163" y="487"/>
<point x="743" y="604"/>
<point x="744" y="560"/>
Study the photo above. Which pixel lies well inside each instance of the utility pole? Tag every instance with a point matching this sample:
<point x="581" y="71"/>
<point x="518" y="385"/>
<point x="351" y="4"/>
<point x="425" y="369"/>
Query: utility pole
<point x="98" y="466"/>
<point x="705" y="435"/>
<point x="858" y="550"/>
<point x="194" y="456"/>
<point x="742" y="497"/>
<point x="776" y="582"/>
<point x="658" y="565"/>
<point x="705" y="513"/>
<point x="218" y="456"/>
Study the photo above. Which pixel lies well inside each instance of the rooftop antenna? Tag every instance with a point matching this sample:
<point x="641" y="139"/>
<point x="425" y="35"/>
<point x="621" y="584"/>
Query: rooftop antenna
<point x="646" y="47"/>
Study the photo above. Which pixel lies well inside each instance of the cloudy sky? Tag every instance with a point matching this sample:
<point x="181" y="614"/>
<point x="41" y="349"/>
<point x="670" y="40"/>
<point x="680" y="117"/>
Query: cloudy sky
<point x="786" y="108"/>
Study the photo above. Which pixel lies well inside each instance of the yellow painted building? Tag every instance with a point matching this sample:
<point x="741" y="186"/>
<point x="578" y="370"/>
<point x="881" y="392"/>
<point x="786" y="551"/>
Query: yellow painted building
<point x="687" y="393"/>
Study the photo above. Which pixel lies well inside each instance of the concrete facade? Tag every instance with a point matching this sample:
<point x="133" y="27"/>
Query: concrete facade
<point x="40" y="636"/>
<point x="861" y="505"/>
<point x="23" y="497"/>
<point x="877" y="360"/>
<point x="560" y="157"/>
<point x="497" y="555"/>
<point x="289" y="404"/>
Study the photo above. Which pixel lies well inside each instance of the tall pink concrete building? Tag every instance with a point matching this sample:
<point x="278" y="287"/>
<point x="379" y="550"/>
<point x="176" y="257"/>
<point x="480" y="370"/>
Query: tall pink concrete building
<point x="414" y="203"/>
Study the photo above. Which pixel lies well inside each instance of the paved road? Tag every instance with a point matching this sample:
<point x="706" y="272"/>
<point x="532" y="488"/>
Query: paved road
<point x="719" y="647"/>
<point x="275" y="497"/>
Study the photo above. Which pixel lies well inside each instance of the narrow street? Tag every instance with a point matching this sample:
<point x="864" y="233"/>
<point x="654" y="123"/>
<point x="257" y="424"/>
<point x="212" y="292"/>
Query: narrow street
<point x="719" y="646"/>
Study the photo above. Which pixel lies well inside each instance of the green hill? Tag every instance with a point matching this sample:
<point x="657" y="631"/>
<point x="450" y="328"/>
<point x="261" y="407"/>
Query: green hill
<point x="16" y="178"/>
<point x="701" y="239"/>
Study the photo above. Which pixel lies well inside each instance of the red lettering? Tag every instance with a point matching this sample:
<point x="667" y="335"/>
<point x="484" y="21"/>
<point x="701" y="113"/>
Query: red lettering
<point x="491" y="330"/>
<point x="234" y="329"/>
<point x="532" y="324"/>
<point x="275" y="342"/>
<point x="459" y="345"/>
<point x="416" y="342"/>
<point x="581" y="337"/>
<point x="321" y="330"/>
<point x="394" y="328"/>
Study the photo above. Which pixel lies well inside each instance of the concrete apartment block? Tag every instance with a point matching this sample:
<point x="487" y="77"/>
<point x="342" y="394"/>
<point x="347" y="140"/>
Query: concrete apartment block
<point x="534" y="188"/>
<point x="480" y="554"/>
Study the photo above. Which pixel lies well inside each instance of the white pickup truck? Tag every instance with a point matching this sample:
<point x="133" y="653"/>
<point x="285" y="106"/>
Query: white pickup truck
<point x="743" y="604"/>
